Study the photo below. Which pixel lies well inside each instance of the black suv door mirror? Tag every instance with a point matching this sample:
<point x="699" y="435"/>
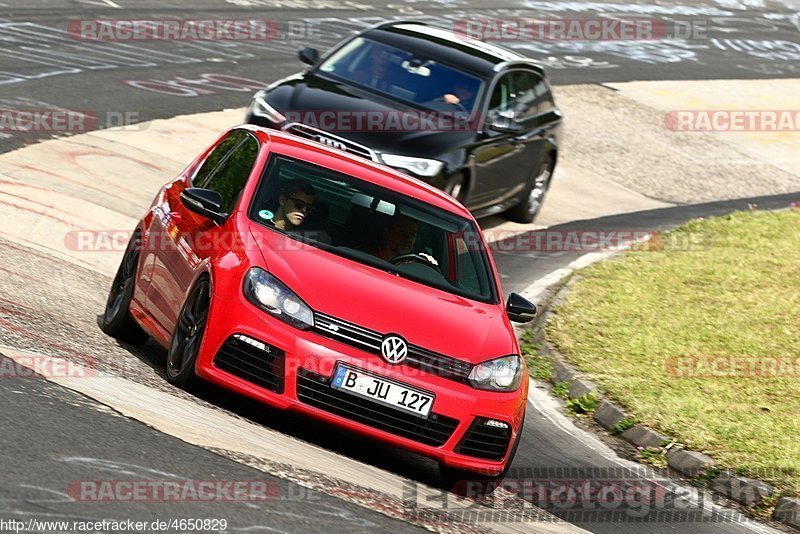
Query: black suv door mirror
<point x="520" y="309"/>
<point x="504" y="124"/>
<point x="308" y="55"/>
<point x="204" y="202"/>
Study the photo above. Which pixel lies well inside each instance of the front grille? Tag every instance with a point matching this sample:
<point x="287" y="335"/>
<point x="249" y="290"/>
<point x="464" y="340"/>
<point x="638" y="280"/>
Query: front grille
<point x="370" y="341"/>
<point x="315" y="390"/>
<point x="484" y="441"/>
<point x="252" y="360"/>
<point x="331" y="140"/>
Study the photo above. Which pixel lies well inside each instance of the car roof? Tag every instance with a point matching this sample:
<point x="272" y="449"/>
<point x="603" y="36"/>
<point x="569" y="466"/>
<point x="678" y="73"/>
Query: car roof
<point x="447" y="46"/>
<point x="307" y="150"/>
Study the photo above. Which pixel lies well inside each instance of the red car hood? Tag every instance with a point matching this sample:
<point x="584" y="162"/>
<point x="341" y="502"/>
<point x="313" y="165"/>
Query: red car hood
<point x="439" y="321"/>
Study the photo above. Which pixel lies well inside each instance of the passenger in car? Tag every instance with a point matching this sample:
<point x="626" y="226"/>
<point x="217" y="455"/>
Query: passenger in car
<point x="373" y="69"/>
<point x="295" y="204"/>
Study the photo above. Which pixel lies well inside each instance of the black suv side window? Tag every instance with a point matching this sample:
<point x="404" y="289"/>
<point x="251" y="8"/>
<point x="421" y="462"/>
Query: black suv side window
<point x="230" y="165"/>
<point x="501" y="100"/>
<point x="529" y="93"/>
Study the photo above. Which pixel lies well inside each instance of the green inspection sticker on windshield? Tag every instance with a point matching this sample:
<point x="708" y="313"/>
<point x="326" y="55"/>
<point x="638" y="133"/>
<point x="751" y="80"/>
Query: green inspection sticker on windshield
<point x="266" y="215"/>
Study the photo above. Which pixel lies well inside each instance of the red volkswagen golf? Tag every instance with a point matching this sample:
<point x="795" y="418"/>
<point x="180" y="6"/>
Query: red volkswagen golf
<point x="317" y="281"/>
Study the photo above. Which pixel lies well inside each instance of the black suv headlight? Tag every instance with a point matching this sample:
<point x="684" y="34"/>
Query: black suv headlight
<point x="260" y="108"/>
<point x="271" y="295"/>
<point x="421" y="166"/>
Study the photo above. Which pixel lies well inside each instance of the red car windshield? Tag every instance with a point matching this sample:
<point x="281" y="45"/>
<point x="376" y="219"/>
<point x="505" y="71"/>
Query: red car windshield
<point x="374" y="226"/>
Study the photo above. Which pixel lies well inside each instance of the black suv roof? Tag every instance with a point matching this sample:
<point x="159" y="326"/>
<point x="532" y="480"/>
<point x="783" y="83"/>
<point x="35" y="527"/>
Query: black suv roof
<point x="450" y="47"/>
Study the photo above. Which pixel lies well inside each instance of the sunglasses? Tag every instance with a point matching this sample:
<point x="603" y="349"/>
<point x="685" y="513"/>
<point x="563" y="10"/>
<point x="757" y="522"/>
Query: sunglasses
<point x="302" y="205"/>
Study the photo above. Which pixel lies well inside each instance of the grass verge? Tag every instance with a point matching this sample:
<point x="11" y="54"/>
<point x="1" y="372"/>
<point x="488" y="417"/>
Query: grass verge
<point x="698" y="336"/>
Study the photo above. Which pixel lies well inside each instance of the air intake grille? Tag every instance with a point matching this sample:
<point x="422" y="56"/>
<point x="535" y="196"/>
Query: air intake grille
<point x="252" y="360"/>
<point x="484" y="441"/>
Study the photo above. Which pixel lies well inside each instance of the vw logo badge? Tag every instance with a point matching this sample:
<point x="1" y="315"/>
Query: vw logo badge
<point x="394" y="349"/>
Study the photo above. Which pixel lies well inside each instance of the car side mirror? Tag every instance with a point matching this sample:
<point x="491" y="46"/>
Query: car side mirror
<point x="204" y="202"/>
<point x="520" y="309"/>
<point x="308" y="55"/>
<point x="504" y="124"/>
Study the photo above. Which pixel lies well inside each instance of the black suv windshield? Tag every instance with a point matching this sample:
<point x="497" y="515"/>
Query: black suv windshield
<point x="373" y="226"/>
<point x="403" y="76"/>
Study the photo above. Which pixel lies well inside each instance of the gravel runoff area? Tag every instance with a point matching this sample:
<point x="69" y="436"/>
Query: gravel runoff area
<point x="618" y="132"/>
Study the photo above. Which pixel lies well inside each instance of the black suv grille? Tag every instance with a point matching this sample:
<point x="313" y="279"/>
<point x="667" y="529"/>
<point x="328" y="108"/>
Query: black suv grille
<point x="370" y="341"/>
<point x="262" y="365"/>
<point x="315" y="390"/>
<point x="484" y="441"/>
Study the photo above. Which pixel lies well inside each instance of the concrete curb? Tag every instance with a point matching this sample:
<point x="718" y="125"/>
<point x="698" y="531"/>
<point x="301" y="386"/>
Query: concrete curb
<point x="692" y="464"/>
<point x="788" y="511"/>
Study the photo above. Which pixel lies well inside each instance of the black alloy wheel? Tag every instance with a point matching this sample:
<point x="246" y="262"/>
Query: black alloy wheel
<point x="188" y="336"/>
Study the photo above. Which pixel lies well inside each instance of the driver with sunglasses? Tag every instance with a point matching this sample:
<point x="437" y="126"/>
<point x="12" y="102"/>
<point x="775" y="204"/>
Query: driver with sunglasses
<point x="295" y="204"/>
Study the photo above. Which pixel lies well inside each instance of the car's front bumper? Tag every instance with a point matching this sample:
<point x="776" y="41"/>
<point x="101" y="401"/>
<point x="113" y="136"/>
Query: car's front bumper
<point x="294" y="373"/>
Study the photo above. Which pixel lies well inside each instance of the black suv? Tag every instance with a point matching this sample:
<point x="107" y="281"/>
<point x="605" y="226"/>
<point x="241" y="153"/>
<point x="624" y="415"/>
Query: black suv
<point x="469" y="117"/>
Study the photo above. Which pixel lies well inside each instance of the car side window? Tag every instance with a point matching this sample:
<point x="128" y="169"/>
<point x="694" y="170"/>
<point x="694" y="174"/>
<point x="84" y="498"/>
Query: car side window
<point x="216" y="157"/>
<point x="500" y="102"/>
<point x="529" y="92"/>
<point x="230" y="174"/>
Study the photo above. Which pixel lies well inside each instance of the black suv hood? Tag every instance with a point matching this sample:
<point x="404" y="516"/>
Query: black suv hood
<point x="310" y="99"/>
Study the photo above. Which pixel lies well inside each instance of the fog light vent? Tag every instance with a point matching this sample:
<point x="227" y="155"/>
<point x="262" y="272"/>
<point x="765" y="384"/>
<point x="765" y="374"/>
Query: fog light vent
<point x="495" y="423"/>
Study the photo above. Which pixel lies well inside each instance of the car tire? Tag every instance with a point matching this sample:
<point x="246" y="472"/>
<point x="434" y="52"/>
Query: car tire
<point x="532" y="197"/>
<point x="477" y="485"/>
<point x="116" y="320"/>
<point x="456" y="187"/>
<point x="188" y="336"/>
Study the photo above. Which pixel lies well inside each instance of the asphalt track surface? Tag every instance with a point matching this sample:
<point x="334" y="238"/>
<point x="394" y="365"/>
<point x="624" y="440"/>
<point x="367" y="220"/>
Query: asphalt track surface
<point x="54" y="437"/>
<point x="46" y="428"/>
<point x="44" y="65"/>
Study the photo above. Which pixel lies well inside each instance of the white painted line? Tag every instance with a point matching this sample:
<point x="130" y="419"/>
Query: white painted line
<point x="102" y="3"/>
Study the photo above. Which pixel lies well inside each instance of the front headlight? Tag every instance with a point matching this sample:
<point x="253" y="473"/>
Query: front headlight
<point x="421" y="166"/>
<point x="260" y="108"/>
<point x="272" y="296"/>
<point x="501" y="374"/>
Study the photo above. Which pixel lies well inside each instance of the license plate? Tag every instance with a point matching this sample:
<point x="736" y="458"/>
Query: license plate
<point x="382" y="390"/>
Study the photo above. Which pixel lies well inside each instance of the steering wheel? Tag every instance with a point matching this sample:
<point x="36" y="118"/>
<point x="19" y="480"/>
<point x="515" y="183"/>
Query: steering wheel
<point x="414" y="257"/>
<point x="459" y="105"/>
